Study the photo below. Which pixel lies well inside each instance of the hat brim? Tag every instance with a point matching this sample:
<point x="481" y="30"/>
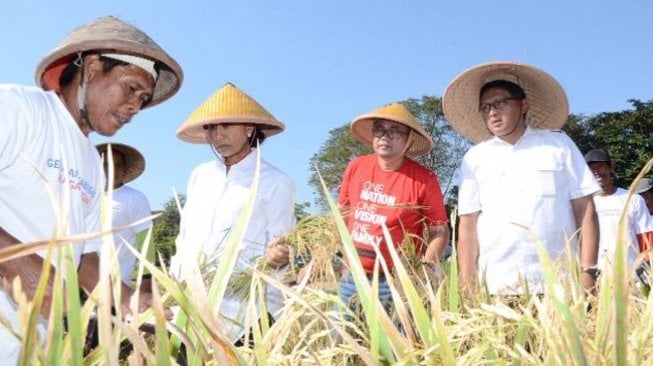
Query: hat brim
<point x="111" y="35"/>
<point x="134" y="160"/>
<point x="193" y="132"/>
<point x="548" y="105"/>
<point x="361" y="128"/>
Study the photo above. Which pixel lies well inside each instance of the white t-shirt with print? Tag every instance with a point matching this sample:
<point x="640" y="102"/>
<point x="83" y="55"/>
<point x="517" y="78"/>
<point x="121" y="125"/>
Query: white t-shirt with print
<point x="214" y="200"/>
<point x="528" y="185"/>
<point x="128" y="206"/>
<point x="609" y="209"/>
<point x="50" y="179"/>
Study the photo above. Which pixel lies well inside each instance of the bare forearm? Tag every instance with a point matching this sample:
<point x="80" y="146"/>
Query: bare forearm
<point x="89" y="276"/>
<point x="468" y="248"/>
<point x="438" y="241"/>
<point x="88" y="271"/>
<point x="29" y="269"/>
<point x="588" y="223"/>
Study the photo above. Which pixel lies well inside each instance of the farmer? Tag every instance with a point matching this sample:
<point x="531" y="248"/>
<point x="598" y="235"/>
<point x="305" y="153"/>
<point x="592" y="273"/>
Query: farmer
<point x="97" y="79"/>
<point x="233" y="124"/>
<point x="610" y="203"/>
<point x="388" y="188"/>
<point x="128" y="206"/>
<point x="523" y="180"/>
<point x="645" y="189"/>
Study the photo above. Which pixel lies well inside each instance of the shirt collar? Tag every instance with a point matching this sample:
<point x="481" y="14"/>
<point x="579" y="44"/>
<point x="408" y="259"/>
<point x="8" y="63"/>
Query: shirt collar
<point x="247" y="165"/>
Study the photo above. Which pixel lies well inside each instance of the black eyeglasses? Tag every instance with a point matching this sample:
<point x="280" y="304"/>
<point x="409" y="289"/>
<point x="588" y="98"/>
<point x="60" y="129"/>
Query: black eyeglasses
<point x="498" y="105"/>
<point x="392" y="134"/>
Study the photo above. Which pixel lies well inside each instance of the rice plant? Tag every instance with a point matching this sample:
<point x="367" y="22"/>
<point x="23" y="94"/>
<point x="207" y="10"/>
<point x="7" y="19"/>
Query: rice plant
<point x="431" y="323"/>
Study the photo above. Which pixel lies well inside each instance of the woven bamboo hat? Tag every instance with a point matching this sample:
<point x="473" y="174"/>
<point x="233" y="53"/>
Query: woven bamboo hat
<point x="361" y="127"/>
<point x="548" y="108"/>
<point x="111" y="35"/>
<point x="134" y="160"/>
<point x="228" y="105"/>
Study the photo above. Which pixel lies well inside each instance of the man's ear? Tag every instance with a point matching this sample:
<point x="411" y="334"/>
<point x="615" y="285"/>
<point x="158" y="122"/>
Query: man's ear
<point x="92" y="66"/>
<point x="525" y="104"/>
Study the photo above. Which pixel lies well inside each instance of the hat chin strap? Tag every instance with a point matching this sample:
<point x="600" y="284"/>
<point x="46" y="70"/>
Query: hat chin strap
<point x="81" y="98"/>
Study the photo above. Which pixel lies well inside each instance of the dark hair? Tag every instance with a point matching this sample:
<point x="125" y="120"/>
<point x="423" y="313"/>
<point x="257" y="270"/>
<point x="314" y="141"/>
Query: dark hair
<point x="515" y="90"/>
<point x="258" y="136"/>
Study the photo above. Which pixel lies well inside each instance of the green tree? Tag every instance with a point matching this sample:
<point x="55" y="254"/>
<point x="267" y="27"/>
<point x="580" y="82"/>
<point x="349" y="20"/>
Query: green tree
<point x="627" y="135"/>
<point x="332" y="159"/>
<point x="301" y="210"/>
<point x="166" y="228"/>
<point x="341" y="147"/>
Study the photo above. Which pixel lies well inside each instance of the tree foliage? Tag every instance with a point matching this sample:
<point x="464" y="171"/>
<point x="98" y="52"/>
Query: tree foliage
<point x="166" y="228"/>
<point x="627" y="136"/>
<point x="341" y="147"/>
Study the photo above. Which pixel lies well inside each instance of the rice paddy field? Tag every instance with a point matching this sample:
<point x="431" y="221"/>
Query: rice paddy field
<point x="432" y="323"/>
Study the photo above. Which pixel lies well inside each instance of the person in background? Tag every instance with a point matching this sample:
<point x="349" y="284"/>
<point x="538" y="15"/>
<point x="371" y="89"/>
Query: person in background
<point x="234" y="125"/>
<point x="100" y="76"/>
<point x="524" y="178"/>
<point x="610" y="203"/>
<point x="645" y="189"/>
<point x="388" y="188"/>
<point x="128" y="206"/>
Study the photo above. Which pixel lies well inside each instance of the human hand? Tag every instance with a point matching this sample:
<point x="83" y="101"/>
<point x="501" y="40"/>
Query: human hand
<point x="278" y="254"/>
<point x="145" y="301"/>
<point x="432" y="268"/>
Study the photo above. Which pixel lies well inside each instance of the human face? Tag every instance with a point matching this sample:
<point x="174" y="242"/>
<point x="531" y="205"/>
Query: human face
<point x="231" y="140"/>
<point x="602" y="171"/>
<point x="506" y="122"/>
<point x="386" y="147"/>
<point x="118" y="168"/>
<point x="113" y="98"/>
<point x="648" y="197"/>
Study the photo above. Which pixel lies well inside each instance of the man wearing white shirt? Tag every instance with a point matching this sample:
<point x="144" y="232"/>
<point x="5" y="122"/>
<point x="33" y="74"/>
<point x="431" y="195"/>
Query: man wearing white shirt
<point x="128" y="205"/>
<point x="610" y="203"/>
<point x="523" y="177"/>
<point x="100" y="76"/>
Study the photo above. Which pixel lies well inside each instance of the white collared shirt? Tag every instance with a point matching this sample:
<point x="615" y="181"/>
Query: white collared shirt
<point x="214" y="200"/>
<point x="526" y="185"/>
<point x="638" y="221"/>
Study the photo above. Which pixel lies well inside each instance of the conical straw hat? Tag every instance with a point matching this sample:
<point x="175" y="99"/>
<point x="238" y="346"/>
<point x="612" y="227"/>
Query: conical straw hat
<point x="227" y="105"/>
<point x="548" y="102"/>
<point x="361" y="127"/>
<point x="110" y="34"/>
<point x="134" y="160"/>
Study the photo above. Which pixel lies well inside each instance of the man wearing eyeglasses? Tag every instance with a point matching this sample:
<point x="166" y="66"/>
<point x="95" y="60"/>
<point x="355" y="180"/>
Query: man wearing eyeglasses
<point x="388" y="188"/>
<point x="525" y="183"/>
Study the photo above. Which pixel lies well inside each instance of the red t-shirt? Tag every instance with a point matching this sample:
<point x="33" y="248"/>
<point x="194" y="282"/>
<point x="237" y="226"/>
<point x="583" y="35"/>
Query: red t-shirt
<point x="406" y="200"/>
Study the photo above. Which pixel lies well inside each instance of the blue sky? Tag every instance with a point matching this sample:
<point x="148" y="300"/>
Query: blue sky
<point x="317" y="65"/>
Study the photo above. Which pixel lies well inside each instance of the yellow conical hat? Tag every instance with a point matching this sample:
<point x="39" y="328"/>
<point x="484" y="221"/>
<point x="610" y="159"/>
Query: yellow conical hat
<point x="361" y="127"/>
<point x="227" y="105"/>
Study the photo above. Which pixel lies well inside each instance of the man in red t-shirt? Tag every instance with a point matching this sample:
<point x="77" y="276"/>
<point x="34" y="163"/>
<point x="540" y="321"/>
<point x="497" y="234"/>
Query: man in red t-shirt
<point x="389" y="188"/>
